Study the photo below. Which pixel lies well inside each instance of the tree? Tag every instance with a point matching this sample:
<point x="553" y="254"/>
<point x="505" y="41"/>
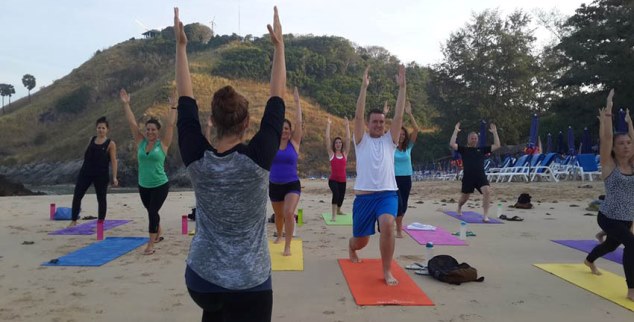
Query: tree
<point x="198" y="33"/>
<point x="594" y="56"/>
<point x="28" y="81"/>
<point x="488" y="72"/>
<point x="6" y="90"/>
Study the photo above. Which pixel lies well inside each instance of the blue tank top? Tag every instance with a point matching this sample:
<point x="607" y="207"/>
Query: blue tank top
<point x="284" y="167"/>
<point x="403" y="161"/>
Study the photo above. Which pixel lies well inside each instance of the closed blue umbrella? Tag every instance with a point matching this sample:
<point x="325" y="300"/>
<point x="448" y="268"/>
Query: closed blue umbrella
<point x="483" y="134"/>
<point x="571" y="141"/>
<point x="586" y="141"/>
<point x="621" y="126"/>
<point x="549" y="143"/>
<point x="561" y="149"/>
<point x="532" y="138"/>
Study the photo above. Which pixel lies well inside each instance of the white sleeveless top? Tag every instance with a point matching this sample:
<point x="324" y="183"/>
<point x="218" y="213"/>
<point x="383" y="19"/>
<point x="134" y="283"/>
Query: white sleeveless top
<point x="375" y="163"/>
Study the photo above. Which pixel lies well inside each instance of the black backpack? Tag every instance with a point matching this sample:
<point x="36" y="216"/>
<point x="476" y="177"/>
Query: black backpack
<point x="446" y="269"/>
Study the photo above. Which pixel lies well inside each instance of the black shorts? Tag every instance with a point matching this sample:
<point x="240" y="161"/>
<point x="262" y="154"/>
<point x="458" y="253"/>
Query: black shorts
<point x="469" y="184"/>
<point x="277" y="191"/>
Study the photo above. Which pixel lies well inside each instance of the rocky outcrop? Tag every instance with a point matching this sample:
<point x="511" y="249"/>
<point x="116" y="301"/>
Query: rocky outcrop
<point x="10" y="188"/>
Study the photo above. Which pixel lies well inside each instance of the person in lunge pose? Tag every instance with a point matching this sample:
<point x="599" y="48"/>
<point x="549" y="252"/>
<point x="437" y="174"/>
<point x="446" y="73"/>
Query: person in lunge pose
<point x="375" y="188"/>
<point x="100" y="152"/>
<point x="474" y="177"/>
<point x="617" y="210"/>
<point x="403" y="167"/>
<point x="338" y="156"/>
<point x="228" y="270"/>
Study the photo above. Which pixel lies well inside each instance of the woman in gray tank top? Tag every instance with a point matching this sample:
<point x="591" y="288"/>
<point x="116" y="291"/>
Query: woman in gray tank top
<point x="617" y="211"/>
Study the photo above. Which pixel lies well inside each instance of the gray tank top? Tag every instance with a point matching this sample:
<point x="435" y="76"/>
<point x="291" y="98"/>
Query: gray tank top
<point x="619" y="196"/>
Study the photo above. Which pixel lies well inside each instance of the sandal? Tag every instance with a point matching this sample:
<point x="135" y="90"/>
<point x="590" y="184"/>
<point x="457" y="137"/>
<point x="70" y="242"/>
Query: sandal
<point x="515" y="218"/>
<point x="423" y="271"/>
<point x="416" y="266"/>
<point x="150" y="252"/>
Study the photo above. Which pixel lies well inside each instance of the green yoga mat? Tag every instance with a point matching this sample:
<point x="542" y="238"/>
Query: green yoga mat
<point x="342" y="220"/>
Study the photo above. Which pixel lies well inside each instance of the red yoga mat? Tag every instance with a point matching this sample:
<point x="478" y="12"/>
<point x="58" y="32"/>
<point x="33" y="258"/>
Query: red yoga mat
<point x="368" y="287"/>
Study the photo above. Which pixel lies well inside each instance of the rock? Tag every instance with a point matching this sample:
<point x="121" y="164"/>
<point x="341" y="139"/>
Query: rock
<point x="10" y="188"/>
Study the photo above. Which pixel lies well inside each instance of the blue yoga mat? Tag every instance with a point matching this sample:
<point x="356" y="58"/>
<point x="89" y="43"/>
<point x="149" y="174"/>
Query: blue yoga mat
<point x="586" y="246"/>
<point x="101" y="252"/>
<point x="472" y="217"/>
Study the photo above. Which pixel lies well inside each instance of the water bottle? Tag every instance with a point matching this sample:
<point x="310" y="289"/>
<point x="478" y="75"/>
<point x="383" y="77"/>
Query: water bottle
<point x="429" y="251"/>
<point x="300" y="217"/>
<point x="463" y="230"/>
<point x="499" y="210"/>
<point x="99" y="229"/>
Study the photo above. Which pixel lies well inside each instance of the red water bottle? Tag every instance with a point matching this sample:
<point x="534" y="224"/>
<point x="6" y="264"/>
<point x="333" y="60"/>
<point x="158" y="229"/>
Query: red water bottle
<point x="184" y="224"/>
<point x="99" y="229"/>
<point x="52" y="211"/>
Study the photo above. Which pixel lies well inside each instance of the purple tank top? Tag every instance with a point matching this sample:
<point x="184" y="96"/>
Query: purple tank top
<point x="284" y="167"/>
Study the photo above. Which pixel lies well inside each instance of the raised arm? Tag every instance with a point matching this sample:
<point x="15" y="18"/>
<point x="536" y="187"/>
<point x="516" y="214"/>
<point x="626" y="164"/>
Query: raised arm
<point x="605" y="137"/>
<point x="112" y="152"/>
<point x="134" y="127"/>
<point x="359" y="114"/>
<point x="299" y="128"/>
<point x="496" y="139"/>
<point x="183" y="79"/>
<point x="397" y="122"/>
<point x="328" y="141"/>
<point x="452" y="142"/>
<point x="630" y="128"/>
<point x="278" y="71"/>
<point x="171" y="123"/>
<point x="414" y="135"/>
<point x="346" y="146"/>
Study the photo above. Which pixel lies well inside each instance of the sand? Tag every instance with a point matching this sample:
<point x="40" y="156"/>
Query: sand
<point x="135" y="287"/>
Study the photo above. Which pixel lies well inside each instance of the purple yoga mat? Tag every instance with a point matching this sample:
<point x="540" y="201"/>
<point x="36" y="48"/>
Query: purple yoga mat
<point x="89" y="228"/>
<point x="586" y="246"/>
<point x="438" y="237"/>
<point x="472" y="217"/>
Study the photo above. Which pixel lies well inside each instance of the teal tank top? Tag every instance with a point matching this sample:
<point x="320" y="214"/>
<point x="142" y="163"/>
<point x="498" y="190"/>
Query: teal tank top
<point x="151" y="165"/>
<point x="403" y="161"/>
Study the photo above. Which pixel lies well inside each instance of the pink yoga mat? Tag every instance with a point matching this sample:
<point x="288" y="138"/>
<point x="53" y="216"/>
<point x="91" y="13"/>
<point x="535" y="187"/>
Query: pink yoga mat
<point x="438" y="237"/>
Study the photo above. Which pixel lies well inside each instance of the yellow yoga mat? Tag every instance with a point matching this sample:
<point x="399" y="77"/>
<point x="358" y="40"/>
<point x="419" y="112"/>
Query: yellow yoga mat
<point x="295" y="262"/>
<point x="610" y="286"/>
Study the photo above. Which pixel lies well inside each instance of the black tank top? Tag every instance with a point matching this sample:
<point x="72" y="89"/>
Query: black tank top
<point x="96" y="158"/>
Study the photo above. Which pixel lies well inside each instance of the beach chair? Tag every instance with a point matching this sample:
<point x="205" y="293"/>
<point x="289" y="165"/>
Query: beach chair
<point x="492" y="173"/>
<point x="588" y="166"/>
<point x="516" y="170"/>
<point x="543" y="170"/>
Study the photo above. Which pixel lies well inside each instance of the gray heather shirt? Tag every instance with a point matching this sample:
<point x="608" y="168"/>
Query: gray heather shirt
<point x="618" y="203"/>
<point x="230" y="247"/>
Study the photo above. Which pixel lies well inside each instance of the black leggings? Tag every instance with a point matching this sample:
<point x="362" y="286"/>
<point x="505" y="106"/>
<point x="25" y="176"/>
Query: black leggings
<point x="404" y="184"/>
<point x="153" y="199"/>
<point x="235" y="307"/>
<point x="338" y="192"/>
<point x="101" y="187"/>
<point x="618" y="232"/>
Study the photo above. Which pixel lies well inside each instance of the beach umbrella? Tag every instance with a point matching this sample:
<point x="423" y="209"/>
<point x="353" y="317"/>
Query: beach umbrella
<point x="531" y="147"/>
<point x="561" y="149"/>
<point x="621" y="126"/>
<point x="586" y="141"/>
<point x="483" y="134"/>
<point x="549" y="143"/>
<point x="571" y="141"/>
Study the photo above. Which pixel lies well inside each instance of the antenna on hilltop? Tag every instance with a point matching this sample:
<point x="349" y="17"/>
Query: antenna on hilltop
<point x="213" y="24"/>
<point x="238" y="18"/>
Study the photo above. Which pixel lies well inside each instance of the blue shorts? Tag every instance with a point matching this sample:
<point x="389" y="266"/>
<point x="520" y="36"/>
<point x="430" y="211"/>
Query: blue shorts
<point x="366" y="209"/>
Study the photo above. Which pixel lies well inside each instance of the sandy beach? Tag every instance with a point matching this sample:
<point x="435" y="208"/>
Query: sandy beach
<point x="135" y="287"/>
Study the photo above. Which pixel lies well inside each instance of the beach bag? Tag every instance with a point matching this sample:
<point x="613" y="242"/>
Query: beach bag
<point x="446" y="269"/>
<point x="524" y="201"/>
<point x="192" y="216"/>
<point x="63" y="213"/>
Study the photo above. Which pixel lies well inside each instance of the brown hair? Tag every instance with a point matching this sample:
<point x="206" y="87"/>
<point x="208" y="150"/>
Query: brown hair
<point x="403" y="146"/>
<point x="155" y="122"/>
<point x="229" y="110"/>
<point x="373" y="111"/>
<point x="335" y="141"/>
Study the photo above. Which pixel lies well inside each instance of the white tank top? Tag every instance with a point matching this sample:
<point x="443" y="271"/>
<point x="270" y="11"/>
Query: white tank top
<point x="375" y="163"/>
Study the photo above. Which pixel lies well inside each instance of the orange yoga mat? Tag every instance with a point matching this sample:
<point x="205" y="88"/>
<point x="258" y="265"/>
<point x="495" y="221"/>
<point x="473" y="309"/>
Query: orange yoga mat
<point x="368" y="287"/>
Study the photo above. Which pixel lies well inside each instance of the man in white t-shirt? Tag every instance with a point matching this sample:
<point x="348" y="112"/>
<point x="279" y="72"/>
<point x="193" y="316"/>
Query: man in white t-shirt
<point x="375" y="187"/>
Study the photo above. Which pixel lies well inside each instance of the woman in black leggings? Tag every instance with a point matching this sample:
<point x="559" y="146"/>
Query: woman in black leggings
<point x="101" y="151"/>
<point x="617" y="210"/>
<point x="338" y="156"/>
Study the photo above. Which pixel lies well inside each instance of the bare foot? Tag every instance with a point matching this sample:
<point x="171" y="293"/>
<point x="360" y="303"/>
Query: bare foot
<point x="340" y="213"/>
<point x="600" y="236"/>
<point x="399" y="234"/>
<point x="459" y="211"/>
<point x="277" y="240"/>
<point x="486" y="219"/>
<point x="389" y="279"/>
<point x="630" y="294"/>
<point x="73" y="223"/>
<point x="353" y="255"/>
<point x="149" y="251"/>
<point x="333" y="218"/>
<point x="287" y="251"/>
<point x="593" y="268"/>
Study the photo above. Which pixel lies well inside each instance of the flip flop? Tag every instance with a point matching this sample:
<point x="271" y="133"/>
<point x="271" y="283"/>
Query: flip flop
<point x="149" y="252"/>
<point x="159" y="240"/>
<point x="416" y="266"/>
<point x="88" y="218"/>
<point x="515" y="218"/>
<point x="423" y="271"/>
<point x="503" y="217"/>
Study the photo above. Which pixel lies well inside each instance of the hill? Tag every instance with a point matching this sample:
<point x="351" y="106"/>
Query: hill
<point x="44" y="139"/>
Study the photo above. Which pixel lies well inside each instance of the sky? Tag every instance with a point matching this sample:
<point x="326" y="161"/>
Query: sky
<point x="48" y="39"/>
